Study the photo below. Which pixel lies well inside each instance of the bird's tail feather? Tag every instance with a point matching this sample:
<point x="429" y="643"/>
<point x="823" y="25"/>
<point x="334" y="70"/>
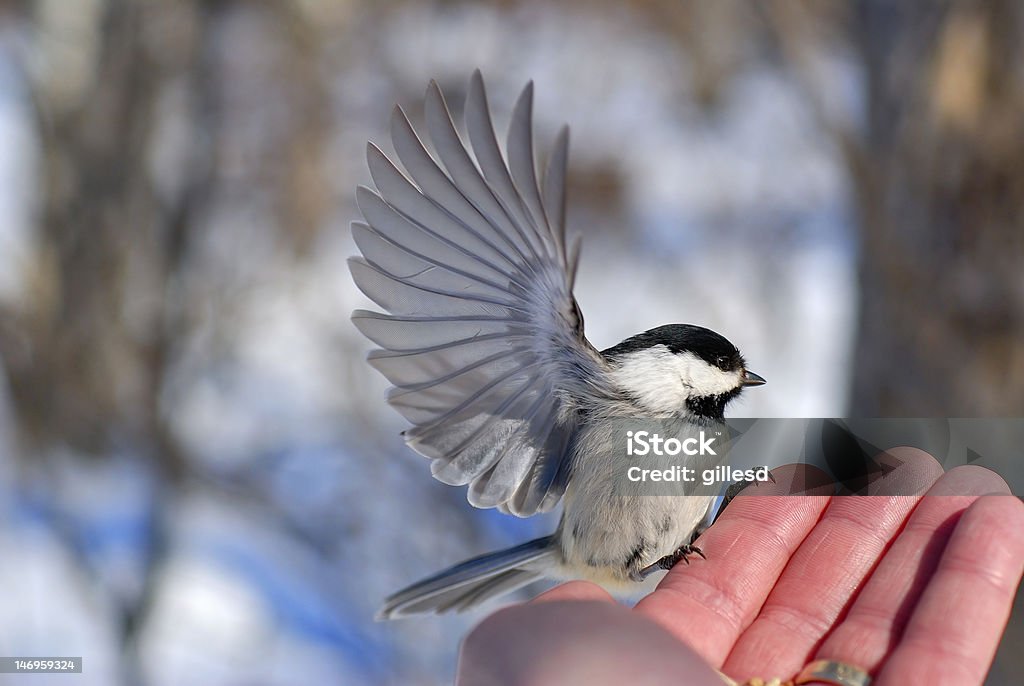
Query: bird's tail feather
<point x="472" y="582"/>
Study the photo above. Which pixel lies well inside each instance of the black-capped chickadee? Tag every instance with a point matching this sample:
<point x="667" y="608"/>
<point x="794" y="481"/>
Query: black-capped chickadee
<point x="483" y="341"/>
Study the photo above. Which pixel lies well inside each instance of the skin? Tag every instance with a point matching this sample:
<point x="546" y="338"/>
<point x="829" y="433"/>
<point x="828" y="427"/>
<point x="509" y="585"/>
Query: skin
<point x="916" y="589"/>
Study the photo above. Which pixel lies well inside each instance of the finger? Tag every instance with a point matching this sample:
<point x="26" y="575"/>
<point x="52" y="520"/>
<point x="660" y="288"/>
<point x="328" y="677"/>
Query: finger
<point x="708" y="603"/>
<point x="823" y="575"/>
<point x="576" y="643"/>
<point x="955" y="628"/>
<point x="871" y="628"/>
<point x="906" y="471"/>
<point x="794" y="479"/>
<point x="575" y="590"/>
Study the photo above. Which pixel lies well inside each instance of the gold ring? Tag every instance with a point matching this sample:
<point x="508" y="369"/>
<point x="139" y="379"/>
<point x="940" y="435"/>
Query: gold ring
<point x="833" y="672"/>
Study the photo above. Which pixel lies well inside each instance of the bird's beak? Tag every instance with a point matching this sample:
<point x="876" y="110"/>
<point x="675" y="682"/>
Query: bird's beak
<point x="752" y="379"/>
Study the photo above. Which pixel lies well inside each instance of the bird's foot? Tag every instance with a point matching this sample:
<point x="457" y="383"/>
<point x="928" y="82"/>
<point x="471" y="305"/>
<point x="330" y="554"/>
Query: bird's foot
<point x="669" y="561"/>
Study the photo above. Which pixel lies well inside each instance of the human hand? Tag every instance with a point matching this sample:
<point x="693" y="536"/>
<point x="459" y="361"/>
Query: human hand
<point x="912" y="589"/>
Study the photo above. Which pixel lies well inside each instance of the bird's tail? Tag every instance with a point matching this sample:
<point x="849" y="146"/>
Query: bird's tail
<point x="470" y="583"/>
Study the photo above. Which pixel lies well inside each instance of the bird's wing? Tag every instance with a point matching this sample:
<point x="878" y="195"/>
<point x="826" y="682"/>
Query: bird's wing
<point x="483" y="339"/>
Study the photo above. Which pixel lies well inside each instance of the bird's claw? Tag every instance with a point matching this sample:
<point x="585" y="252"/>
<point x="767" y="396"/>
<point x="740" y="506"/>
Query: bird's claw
<point x="669" y="561"/>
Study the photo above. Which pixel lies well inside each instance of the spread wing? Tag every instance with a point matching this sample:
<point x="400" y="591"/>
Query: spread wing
<point x="483" y="339"/>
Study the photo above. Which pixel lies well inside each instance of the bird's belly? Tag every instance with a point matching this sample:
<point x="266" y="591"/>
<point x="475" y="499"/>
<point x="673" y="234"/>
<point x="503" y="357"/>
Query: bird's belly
<point x="608" y="540"/>
<point x="611" y="525"/>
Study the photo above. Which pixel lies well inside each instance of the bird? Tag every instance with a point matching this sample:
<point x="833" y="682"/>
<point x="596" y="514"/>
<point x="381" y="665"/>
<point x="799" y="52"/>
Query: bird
<point x="466" y="250"/>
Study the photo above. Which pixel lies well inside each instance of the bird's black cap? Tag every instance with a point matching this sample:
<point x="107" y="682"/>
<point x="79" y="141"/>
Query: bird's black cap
<point x="711" y="347"/>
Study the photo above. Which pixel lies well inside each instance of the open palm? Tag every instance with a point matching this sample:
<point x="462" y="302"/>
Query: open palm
<point x="914" y="589"/>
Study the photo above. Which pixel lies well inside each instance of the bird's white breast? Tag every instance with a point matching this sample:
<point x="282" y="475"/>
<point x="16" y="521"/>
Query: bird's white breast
<point x="607" y="517"/>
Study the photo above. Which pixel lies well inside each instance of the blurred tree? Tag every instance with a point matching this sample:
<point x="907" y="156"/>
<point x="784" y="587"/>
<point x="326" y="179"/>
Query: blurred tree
<point x="937" y="178"/>
<point x="86" y="353"/>
<point x="129" y="101"/>
<point x="86" y="370"/>
<point x="940" y="198"/>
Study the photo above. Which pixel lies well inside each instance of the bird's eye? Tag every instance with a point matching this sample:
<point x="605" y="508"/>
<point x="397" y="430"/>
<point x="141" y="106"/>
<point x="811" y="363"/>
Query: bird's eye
<point x="722" y="359"/>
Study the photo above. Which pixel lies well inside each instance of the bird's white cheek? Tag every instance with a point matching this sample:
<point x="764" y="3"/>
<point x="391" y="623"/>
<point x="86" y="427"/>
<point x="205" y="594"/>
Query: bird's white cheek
<point x="704" y="379"/>
<point x="653" y="377"/>
<point x="662" y="381"/>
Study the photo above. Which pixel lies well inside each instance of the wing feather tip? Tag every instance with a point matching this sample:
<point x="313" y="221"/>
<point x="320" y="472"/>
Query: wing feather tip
<point x="358" y="315"/>
<point x="374" y="157"/>
<point x="355" y="261"/>
<point x="523" y="107"/>
<point x="527" y="90"/>
<point x="398" y="118"/>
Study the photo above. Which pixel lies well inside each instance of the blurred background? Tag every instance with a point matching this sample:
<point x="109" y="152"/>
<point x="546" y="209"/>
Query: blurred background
<point x="199" y="479"/>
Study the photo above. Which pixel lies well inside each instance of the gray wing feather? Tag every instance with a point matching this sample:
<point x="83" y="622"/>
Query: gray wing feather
<point x="521" y="164"/>
<point x="394" y="333"/>
<point x="435" y="185"/>
<point x="423" y="242"/>
<point x="412" y="267"/>
<point x="464" y="172"/>
<point x="482" y="340"/>
<point x="495" y="171"/>
<point x="400" y="296"/>
<point x="554" y="187"/>
<point x="405" y="198"/>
